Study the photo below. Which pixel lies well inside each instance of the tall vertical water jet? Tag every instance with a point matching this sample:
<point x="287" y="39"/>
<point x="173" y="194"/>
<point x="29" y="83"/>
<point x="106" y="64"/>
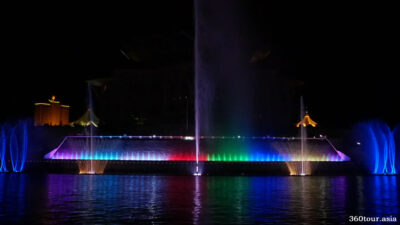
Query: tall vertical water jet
<point x="19" y="146"/>
<point x="304" y="166"/>
<point x="237" y="90"/>
<point x="197" y="125"/>
<point x="198" y="84"/>
<point x="222" y="55"/>
<point x="91" y="171"/>
<point x="3" y="147"/>
<point x="303" y="136"/>
<point x="91" y="164"/>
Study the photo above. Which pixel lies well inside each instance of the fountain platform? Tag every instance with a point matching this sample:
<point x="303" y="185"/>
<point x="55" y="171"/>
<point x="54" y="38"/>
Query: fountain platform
<point x="181" y="148"/>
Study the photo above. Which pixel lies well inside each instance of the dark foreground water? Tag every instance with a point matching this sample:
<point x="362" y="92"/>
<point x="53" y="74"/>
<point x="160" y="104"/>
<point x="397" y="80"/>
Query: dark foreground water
<point x="132" y="199"/>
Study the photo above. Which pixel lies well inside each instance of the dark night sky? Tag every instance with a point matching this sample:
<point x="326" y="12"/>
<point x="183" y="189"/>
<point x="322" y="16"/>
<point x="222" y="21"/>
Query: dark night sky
<point x="347" y="55"/>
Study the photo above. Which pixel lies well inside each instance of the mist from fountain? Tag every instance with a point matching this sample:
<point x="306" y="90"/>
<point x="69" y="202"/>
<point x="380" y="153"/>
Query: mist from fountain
<point x="221" y="54"/>
<point x="237" y="92"/>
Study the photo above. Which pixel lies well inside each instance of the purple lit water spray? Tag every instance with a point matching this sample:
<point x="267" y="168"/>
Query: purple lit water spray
<point x="197" y="108"/>
<point x="197" y="68"/>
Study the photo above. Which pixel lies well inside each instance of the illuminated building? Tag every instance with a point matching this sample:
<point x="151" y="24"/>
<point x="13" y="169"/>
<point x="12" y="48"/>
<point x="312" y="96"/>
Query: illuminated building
<point x="51" y="113"/>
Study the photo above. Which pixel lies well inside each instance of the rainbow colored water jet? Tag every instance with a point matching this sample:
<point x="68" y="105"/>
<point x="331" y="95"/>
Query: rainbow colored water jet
<point x="180" y="148"/>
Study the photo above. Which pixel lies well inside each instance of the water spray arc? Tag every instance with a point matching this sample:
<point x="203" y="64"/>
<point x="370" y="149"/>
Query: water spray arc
<point x="3" y="147"/>
<point x="18" y="145"/>
<point x="377" y="146"/>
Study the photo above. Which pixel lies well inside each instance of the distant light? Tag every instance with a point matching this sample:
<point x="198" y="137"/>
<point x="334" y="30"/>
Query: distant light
<point x="189" y="138"/>
<point x="358" y="143"/>
<point x="238" y="136"/>
<point x="321" y="135"/>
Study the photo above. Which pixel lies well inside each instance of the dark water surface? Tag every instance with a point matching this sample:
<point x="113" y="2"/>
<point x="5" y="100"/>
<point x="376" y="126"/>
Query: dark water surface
<point x="133" y="199"/>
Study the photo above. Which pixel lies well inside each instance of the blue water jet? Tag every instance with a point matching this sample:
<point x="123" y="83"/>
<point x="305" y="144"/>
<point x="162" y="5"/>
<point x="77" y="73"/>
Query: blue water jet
<point x="396" y="138"/>
<point x="19" y="146"/>
<point x="378" y="147"/>
<point x="3" y="143"/>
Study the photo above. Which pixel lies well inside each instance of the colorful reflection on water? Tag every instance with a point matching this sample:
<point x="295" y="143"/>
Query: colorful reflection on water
<point x="116" y="199"/>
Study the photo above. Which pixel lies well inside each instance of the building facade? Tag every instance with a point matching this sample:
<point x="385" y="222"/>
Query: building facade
<point x="52" y="113"/>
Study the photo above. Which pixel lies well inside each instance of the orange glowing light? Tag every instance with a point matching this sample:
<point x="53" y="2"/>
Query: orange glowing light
<point x="307" y="121"/>
<point x="51" y="113"/>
